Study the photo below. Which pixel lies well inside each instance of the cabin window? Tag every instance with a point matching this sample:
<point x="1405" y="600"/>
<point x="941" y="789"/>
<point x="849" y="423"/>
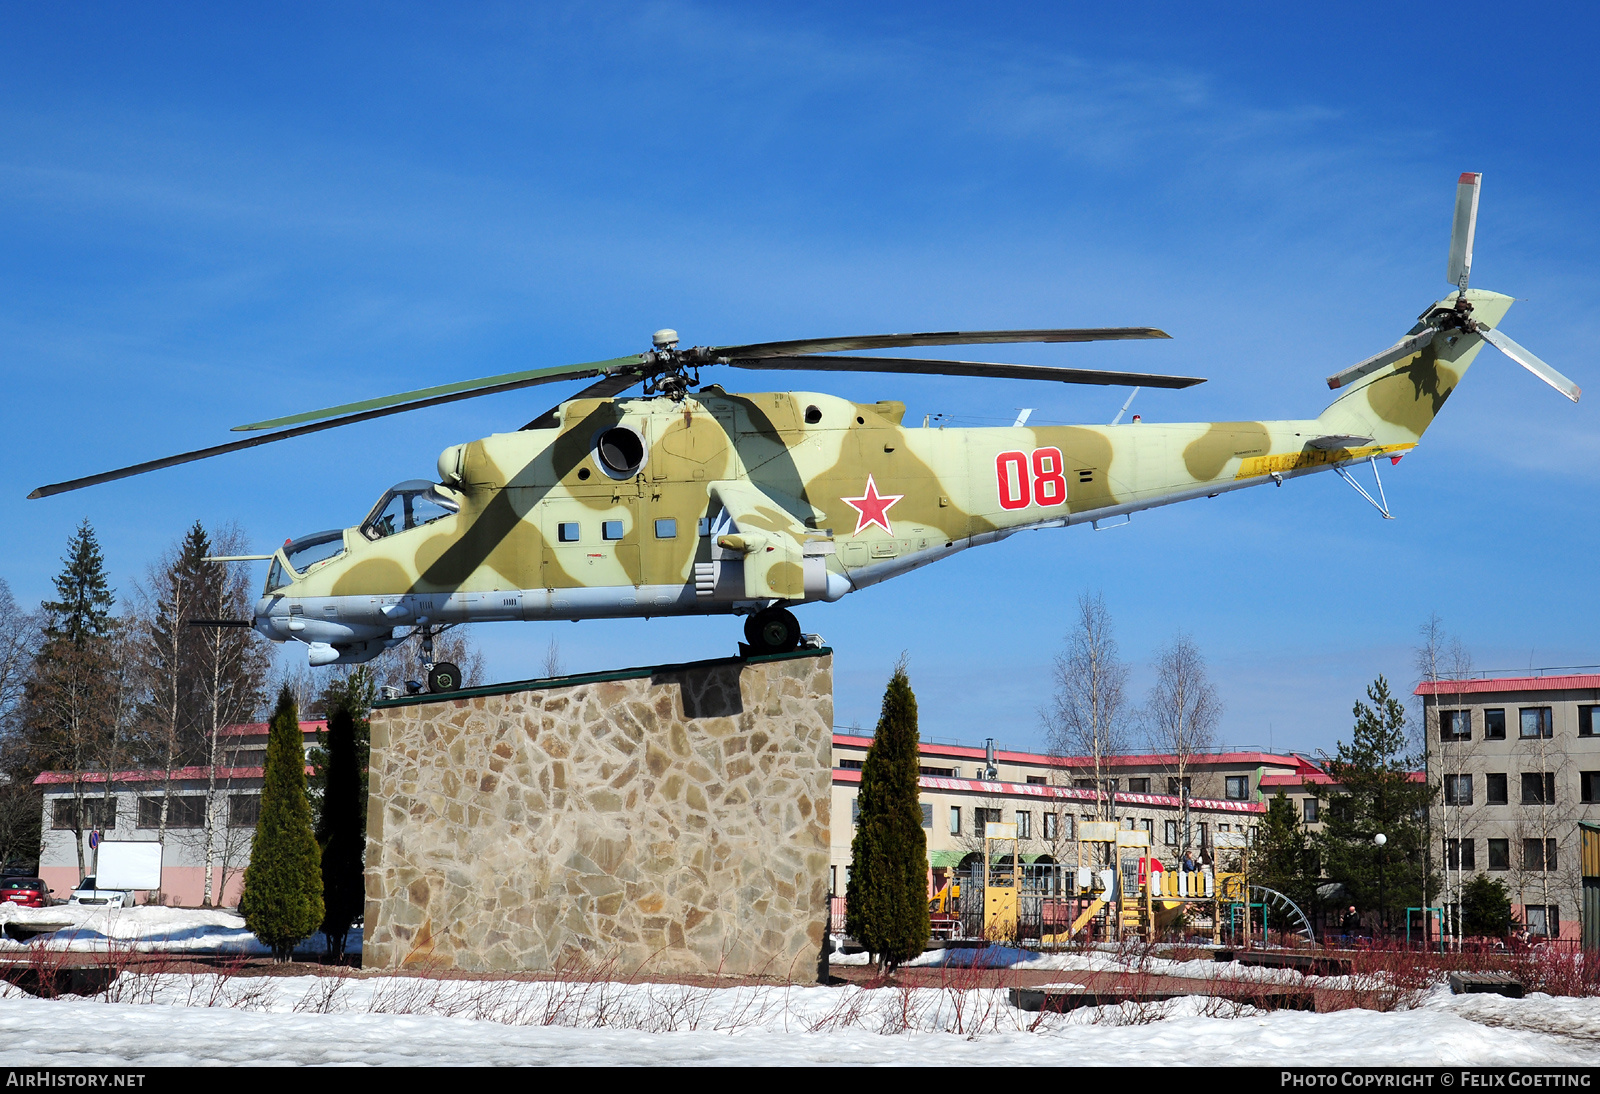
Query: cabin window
<point x="611" y="529"/>
<point x="567" y="531"/>
<point x="667" y="528"/>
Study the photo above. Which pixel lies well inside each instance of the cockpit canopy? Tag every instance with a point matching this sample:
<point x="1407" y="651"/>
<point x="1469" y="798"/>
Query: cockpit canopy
<point x="304" y="553"/>
<point x="408" y="505"/>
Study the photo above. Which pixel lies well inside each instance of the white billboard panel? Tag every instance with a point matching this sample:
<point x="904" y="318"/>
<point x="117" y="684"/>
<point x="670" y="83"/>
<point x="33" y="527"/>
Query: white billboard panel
<point x="128" y="864"/>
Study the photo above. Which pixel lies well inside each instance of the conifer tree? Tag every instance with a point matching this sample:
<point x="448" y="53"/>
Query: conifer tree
<point x="340" y="828"/>
<point x="1486" y="907"/>
<point x="72" y="701"/>
<point x="282" y="901"/>
<point x="1380" y="796"/>
<point x="1282" y="859"/>
<point x="887" y="897"/>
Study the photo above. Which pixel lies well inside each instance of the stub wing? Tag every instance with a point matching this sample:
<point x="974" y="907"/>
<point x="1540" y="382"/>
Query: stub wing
<point x="766" y="535"/>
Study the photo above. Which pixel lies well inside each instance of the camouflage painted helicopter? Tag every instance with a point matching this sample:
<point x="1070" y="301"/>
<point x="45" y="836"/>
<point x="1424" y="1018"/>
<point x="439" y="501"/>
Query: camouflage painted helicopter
<point x="691" y="500"/>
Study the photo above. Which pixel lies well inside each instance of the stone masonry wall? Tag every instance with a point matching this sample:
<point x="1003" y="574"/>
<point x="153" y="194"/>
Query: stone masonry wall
<point x="675" y="820"/>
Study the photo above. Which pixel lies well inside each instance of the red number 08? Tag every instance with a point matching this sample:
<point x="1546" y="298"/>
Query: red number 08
<point x="1048" y="485"/>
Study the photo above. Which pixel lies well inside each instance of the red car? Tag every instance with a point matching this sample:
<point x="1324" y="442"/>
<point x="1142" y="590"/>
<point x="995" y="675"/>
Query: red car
<point x="29" y="892"/>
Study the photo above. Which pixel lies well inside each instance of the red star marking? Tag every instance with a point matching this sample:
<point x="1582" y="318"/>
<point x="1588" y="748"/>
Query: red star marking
<point x="873" y="507"/>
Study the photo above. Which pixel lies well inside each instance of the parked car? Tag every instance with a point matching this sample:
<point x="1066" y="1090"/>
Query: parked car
<point x="88" y="893"/>
<point x="29" y="892"/>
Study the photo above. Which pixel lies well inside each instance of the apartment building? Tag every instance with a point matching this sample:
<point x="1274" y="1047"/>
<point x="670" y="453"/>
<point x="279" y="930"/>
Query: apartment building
<point x="1517" y="760"/>
<point x="1047" y="797"/>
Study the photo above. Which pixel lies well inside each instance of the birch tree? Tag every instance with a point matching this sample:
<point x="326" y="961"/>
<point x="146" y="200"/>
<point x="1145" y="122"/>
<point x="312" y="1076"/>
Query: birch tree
<point x="1085" y="718"/>
<point x="1180" y="715"/>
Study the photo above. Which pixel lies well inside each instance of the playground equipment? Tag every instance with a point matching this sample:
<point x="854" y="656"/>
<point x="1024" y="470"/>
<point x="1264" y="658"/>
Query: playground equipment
<point x="1117" y="890"/>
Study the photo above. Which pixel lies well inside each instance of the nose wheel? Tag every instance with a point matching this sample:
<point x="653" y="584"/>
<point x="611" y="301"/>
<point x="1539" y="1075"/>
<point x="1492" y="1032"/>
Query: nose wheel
<point x="774" y="630"/>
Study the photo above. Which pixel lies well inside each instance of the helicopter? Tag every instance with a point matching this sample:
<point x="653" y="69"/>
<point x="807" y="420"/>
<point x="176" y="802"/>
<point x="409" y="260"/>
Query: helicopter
<point x="688" y="499"/>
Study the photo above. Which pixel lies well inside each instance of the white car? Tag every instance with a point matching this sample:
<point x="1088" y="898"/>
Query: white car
<point x="87" y="893"/>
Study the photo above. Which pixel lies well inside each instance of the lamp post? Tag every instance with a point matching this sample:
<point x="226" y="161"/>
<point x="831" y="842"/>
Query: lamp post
<point x="1383" y="901"/>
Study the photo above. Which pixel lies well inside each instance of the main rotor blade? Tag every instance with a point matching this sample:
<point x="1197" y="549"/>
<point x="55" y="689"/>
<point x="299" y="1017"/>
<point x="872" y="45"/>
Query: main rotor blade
<point x="935" y="338"/>
<point x="1530" y="361"/>
<point x="313" y="427"/>
<point x="1463" y="229"/>
<point x="992" y="370"/>
<point x="465" y="389"/>
<point x="1397" y="352"/>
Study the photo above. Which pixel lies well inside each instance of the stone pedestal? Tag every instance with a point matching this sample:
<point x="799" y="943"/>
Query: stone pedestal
<point x="673" y="819"/>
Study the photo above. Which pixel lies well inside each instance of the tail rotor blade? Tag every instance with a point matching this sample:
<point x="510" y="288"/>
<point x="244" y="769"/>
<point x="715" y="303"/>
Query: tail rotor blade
<point x="1466" y="224"/>
<point x="1397" y="352"/>
<point x="1530" y="361"/>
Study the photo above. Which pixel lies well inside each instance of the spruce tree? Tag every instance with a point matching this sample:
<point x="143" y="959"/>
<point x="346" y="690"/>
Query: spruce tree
<point x="886" y="906"/>
<point x="81" y="613"/>
<point x="1486" y="908"/>
<point x="1282" y="859"/>
<point x="282" y="901"/>
<point x="1380" y="796"/>
<point x="340" y="826"/>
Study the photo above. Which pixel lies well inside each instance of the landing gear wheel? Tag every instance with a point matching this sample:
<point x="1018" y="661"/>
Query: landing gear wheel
<point x="444" y="677"/>
<point x="775" y="630"/>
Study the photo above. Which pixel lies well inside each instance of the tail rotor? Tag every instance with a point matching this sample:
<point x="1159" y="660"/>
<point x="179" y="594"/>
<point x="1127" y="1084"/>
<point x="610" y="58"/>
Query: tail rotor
<point x="1456" y="315"/>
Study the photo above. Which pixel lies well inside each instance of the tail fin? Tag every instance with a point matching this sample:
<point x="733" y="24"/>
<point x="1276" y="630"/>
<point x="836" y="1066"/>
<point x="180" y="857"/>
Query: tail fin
<point x="1394" y="396"/>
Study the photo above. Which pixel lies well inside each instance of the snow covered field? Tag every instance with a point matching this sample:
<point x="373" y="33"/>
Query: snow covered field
<point x="204" y="1019"/>
<point x="146" y="929"/>
<point x="186" y="1019"/>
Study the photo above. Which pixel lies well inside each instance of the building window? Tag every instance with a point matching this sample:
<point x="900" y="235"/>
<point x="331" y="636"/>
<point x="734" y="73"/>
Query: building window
<point x="1544" y="920"/>
<point x="1169" y="833"/>
<point x="1068" y="826"/>
<point x="1458" y="789"/>
<point x="567" y="531"/>
<point x="981" y="818"/>
<point x="1499" y="854"/>
<point x="1149" y="828"/>
<point x="611" y="529"/>
<point x="927" y="814"/>
<point x="244" y="810"/>
<point x="1173" y="786"/>
<point x="855" y="811"/>
<point x="1309" y="810"/>
<point x="1535" y="722"/>
<point x="96" y="817"/>
<point x="1538" y="854"/>
<point x="955" y="820"/>
<point x="1238" y="787"/>
<point x="667" y="528"/>
<point x="1050" y="826"/>
<point x="1538" y="787"/>
<point x="1455" y="725"/>
<point x="833" y="880"/>
<point x="185" y="811"/>
<point x="1200" y="833"/>
<point x="936" y="772"/>
<point x="1589" y="785"/>
<point x="1083" y="784"/>
<point x="1024" y="824"/>
<point x="1036" y="780"/>
<point x="1138" y="786"/>
<point x="1494" y="789"/>
<point x="1494" y="725"/>
<point x="1586" y="722"/>
<point x="850" y="765"/>
<point x="1460" y="854"/>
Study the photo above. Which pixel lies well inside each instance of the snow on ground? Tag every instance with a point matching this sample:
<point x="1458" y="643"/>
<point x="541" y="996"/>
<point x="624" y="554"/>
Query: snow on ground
<point x="146" y="929"/>
<point x="183" y="1020"/>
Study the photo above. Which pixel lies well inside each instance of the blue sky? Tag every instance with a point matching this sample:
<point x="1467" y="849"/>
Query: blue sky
<point x="213" y="217"/>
